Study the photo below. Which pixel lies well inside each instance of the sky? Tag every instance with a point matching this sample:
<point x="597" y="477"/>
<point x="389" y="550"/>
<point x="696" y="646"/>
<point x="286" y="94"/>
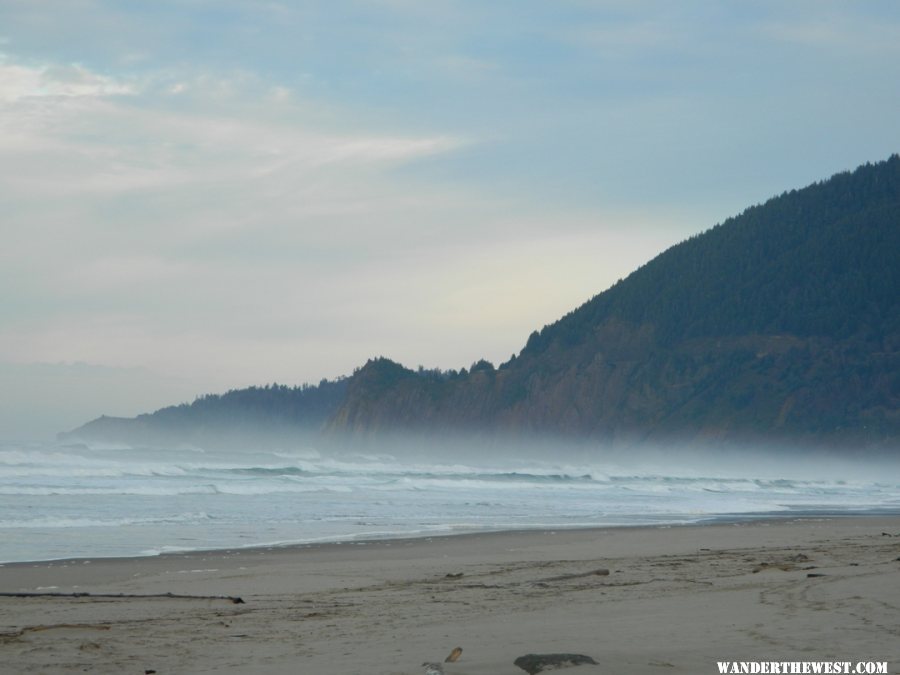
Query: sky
<point x="200" y="195"/>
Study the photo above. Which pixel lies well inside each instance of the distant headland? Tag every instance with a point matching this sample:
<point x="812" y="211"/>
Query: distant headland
<point x="781" y="324"/>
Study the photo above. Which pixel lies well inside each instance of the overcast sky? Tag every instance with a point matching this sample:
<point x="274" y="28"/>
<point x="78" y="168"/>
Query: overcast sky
<point x="205" y="194"/>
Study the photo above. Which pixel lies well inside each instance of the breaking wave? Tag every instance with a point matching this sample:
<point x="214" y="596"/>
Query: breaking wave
<point x="193" y="498"/>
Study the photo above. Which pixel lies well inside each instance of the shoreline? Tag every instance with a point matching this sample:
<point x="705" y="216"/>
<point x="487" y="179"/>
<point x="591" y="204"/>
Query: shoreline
<point x="643" y="599"/>
<point x="706" y="521"/>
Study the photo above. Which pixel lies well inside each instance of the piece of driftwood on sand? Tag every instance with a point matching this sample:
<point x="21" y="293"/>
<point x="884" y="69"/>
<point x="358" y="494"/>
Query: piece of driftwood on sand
<point x="174" y="596"/>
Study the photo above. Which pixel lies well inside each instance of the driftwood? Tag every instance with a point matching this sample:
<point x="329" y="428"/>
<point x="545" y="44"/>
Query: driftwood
<point x="232" y="598"/>
<point x="602" y="572"/>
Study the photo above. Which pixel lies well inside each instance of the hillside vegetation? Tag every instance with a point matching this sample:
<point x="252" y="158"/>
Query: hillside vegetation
<point x="783" y="321"/>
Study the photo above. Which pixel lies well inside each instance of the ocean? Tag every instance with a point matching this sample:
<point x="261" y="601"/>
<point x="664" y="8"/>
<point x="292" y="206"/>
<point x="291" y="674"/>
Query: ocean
<point x="66" y="501"/>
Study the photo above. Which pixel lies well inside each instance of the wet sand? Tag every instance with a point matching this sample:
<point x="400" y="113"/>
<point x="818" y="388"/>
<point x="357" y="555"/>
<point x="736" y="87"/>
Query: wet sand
<point x="675" y="600"/>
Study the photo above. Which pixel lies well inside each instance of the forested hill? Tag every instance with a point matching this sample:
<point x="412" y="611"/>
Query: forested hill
<point x="818" y="261"/>
<point x="780" y="323"/>
<point x="270" y="413"/>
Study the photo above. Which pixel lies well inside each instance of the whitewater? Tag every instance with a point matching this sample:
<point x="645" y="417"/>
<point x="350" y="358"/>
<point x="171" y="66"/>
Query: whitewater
<point x="78" y="501"/>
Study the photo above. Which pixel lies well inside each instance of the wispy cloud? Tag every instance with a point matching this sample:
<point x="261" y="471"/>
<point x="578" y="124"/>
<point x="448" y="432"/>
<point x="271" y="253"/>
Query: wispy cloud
<point x="145" y="217"/>
<point x="18" y="81"/>
<point x="104" y="145"/>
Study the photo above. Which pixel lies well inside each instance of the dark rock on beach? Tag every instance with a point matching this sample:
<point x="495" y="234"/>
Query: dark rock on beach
<point x="538" y="663"/>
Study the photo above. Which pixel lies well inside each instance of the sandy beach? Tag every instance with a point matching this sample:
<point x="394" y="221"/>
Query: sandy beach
<point x="674" y="600"/>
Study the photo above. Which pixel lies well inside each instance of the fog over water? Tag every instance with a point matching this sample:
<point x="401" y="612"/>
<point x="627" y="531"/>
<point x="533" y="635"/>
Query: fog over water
<point x="77" y="500"/>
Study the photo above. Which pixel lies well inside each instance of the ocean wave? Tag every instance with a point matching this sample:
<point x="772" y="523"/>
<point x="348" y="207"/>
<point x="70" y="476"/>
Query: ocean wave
<point x="78" y="522"/>
<point x="56" y="500"/>
<point x="151" y="489"/>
